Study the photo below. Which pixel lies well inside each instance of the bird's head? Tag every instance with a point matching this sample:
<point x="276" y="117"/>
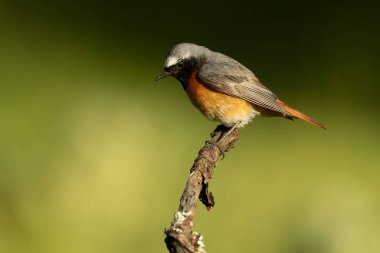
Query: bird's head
<point x="182" y="60"/>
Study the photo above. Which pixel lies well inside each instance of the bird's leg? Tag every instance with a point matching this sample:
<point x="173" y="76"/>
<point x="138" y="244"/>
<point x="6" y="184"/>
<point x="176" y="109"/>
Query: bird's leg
<point x="225" y="134"/>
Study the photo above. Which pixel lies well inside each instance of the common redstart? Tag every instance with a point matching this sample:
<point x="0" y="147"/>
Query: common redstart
<point x="223" y="89"/>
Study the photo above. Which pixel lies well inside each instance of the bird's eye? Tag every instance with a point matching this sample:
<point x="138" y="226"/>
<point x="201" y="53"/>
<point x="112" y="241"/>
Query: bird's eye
<point x="180" y="64"/>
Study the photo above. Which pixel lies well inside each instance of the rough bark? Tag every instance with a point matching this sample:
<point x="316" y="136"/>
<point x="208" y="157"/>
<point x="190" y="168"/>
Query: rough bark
<point x="180" y="236"/>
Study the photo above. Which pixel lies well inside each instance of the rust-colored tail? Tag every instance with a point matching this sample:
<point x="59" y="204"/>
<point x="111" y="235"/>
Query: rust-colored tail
<point x="299" y="115"/>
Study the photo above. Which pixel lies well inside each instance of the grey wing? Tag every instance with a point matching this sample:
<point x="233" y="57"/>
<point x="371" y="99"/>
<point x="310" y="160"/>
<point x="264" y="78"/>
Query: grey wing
<point x="226" y="75"/>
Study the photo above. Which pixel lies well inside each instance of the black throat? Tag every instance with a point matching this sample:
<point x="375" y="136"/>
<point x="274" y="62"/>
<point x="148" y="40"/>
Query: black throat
<point x="190" y="66"/>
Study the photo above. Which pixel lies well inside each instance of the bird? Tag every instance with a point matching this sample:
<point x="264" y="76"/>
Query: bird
<point x="223" y="89"/>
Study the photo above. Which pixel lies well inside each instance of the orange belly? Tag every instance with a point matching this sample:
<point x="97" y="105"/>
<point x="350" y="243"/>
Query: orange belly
<point x="219" y="106"/>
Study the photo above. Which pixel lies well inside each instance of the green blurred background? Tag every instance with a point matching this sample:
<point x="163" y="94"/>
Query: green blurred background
<point x="94" y="154"/>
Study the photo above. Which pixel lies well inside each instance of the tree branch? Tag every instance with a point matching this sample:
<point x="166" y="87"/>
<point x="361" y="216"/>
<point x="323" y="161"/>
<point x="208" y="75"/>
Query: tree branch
<point x="180" y="237"/>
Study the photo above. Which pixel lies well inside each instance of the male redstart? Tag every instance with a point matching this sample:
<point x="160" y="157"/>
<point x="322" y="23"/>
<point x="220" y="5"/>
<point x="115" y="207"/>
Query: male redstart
<point x="223" y="89"/>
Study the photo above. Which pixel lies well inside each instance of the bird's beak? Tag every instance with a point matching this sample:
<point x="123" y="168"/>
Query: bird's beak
<point x="163" y="75"/>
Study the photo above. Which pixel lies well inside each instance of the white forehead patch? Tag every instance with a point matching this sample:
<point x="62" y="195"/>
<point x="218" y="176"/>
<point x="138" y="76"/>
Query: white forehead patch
<point x="171" y="60"/>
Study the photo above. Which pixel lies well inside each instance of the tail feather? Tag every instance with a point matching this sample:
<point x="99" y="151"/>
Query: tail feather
<point x="299" y="115"/>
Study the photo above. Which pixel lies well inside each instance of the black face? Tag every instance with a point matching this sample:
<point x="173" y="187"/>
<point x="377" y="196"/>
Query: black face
<point x="182" y="70"/>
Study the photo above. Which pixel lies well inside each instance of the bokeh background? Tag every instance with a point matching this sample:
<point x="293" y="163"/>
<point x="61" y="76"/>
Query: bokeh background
<point x="94" y="154"/>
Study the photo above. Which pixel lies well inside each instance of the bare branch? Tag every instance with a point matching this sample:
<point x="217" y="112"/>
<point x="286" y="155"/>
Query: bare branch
<point x="180" y="237"/>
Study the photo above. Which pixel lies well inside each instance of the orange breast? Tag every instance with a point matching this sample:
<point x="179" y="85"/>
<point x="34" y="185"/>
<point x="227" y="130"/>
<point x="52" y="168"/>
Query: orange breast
<point x="217" y="105"/>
